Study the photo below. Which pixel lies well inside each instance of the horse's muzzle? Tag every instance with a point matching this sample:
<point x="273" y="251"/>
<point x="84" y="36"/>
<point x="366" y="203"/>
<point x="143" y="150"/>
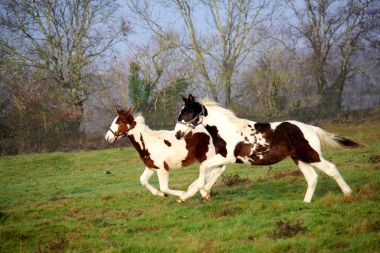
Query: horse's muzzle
<point x="179" y="134"/>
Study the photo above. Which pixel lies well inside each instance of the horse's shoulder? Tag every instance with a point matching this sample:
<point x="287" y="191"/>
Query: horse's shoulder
<point x="200" y="129"/>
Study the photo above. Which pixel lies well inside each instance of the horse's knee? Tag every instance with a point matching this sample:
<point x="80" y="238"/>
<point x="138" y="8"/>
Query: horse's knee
<point x="311" y="178"/>
<point x="332" y="171"/>
<point x="143" y="181"/>
<point x="312" y="182"/>
<point x="328" y="168"/>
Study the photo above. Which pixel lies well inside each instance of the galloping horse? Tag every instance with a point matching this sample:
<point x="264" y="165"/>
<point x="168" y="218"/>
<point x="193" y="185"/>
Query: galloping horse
<point x="242" y="141"/>
<point x="160" y="151"/>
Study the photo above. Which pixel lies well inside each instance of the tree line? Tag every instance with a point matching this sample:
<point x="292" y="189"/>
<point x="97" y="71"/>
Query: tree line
<point x="65" y="65"/>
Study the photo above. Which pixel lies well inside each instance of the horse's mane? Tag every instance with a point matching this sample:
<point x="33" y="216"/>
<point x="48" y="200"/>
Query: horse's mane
<point x="141" y="121"/>
<point x="140" y="116"/>
<point x="208" y="102"/>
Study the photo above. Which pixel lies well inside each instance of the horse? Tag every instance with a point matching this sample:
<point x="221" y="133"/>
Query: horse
<point x="160" y="151"/>
<point x="239" y="140"/>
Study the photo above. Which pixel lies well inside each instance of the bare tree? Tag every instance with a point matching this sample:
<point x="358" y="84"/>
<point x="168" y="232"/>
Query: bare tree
<point x="229" y="34"/>
<point x="269" y="83"/>
<point x="62" y="38"/>
<point x="336" y="33"/>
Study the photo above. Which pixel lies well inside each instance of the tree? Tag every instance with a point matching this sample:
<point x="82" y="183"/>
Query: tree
<point x="34" y="115"/>
<point x="154" y="69"/>
<point x="156" y="104"/>
<point x="233" y="29"/>
<point x="62" y="38"/>
<point x="336" y="33"/>
<point x="269" y="84"/>
<point x="140" y="90"/>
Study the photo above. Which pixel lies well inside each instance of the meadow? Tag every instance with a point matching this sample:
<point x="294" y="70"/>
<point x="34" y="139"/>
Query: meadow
<point x="92" y="201"/>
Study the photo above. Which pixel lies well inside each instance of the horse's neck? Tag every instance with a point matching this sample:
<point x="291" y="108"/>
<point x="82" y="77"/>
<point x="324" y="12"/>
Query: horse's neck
<point x="223" y="121"/>
<point x="216" y="117"/>
<point x="138" y="130"/>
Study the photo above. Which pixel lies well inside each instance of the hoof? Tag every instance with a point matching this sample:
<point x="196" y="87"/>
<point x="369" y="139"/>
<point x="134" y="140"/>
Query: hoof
<point x="347" y="194"/>
<point x="179" y="200"/>
<point x="166" y="195"/>
<point x="160" y="193"/>
<point x="207" y="197"/>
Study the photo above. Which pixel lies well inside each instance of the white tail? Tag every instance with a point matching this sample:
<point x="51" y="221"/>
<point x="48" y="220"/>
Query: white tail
<point x="333" y="140"/>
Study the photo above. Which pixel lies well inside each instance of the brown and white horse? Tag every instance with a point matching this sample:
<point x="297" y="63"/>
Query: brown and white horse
<point x="160" y="151"/>
<point x="242" y="141"/>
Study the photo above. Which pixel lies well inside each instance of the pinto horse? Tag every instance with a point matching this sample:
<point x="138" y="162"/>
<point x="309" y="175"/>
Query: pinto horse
<point x="160" y="151"/>
<point x="242" y="141"/>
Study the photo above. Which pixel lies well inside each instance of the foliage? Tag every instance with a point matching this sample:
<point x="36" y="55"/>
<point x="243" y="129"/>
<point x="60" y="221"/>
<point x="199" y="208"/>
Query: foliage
<point x="68" y="202"/>
<point x="37" y="117"/>
<point x="140" y="90"/>
<point x="156" y="105"/>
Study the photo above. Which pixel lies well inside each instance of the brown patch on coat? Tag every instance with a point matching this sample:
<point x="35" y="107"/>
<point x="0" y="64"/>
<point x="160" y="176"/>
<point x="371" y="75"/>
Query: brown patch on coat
<point x="167" y="143"/>
<point x="125" y="122"/>
<point x="262" y="127"/>
<point x="286" y="140"/>
<point x="301" y="148"/>
<point x="197" y="146"/>
<point x="143" y="152"/>
<point x="219" y="143"/>
<point x="166" y="166"/>
<point x="295" y="160"/>
<point x="242" y="149"/>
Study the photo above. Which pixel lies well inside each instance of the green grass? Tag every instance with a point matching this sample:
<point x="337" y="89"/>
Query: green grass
<point x="65" y="202"/>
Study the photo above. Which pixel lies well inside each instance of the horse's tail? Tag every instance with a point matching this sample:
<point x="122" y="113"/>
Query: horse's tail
<point x="333" y="140"/>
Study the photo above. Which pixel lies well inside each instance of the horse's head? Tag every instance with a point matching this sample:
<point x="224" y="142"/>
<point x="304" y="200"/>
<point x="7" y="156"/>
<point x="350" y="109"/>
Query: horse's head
<point x="120" y="125"/>
<point x="191" y="113"/>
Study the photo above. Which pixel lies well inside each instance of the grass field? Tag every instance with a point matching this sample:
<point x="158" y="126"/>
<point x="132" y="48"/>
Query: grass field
<point x="66" y="202"/>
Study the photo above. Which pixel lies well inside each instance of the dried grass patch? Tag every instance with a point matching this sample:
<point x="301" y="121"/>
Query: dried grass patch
<point x="286" y="230"/>
<point x="232" y="180"/>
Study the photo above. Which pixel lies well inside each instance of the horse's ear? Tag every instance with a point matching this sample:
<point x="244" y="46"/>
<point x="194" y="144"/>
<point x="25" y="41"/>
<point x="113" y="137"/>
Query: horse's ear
<point x="117" y="110"/>
<point x="129" y="111"/>
<point x="191" y="99"/>
<point x="184" y="99"/>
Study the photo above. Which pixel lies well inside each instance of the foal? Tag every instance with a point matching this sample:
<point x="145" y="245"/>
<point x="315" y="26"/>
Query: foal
<point x="160" y="151"/>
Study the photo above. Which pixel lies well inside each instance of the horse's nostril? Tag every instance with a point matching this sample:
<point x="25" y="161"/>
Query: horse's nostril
<point x="178" y="135"/>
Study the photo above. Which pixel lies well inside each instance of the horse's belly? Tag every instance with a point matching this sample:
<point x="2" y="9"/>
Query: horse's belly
<point x="261" y="156"/>
<point x="260" y="159"/>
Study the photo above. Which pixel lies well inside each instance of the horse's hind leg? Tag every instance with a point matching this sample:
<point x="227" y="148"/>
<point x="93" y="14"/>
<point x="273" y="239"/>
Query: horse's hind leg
<point x="331" y="170"/>
<point x="311" y="178"/>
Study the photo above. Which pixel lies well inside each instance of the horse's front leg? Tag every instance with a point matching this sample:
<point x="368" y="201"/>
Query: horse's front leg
<point x="201" y="181"/>
<point x="144" y="180"/>
<point x="163" y="179"/>
<point x="211" y="177"/>
<point x="212" y="163"/>
<point x="191" y="190"/>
